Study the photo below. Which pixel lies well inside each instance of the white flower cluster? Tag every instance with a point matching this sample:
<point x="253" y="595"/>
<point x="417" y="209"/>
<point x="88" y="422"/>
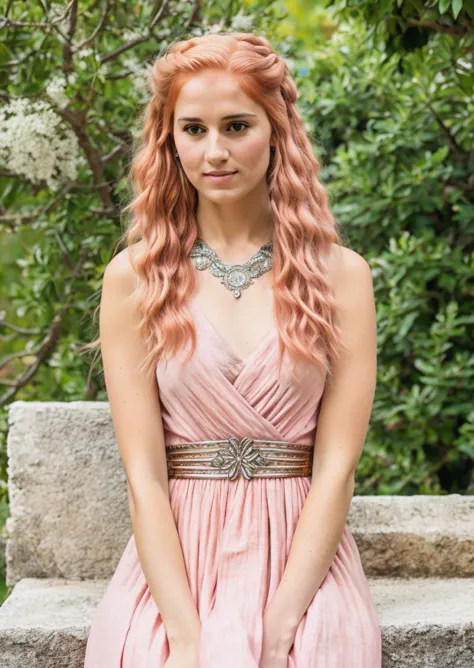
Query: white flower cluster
<point x="181" y="7"/>
<point x="242" y="22"/>
<point x="139" y="77"/>
<point x="55" y="90"/>
<point x="129" y="35"/>
<point x="216" y="27"/>
<point x="205" y="27"/>
<point x="56" y="10"/>
<point x="82" y="55"/>
<point x="35" y="143"/>
<point x="344" y="32"/>
<point x="85" y="52"/>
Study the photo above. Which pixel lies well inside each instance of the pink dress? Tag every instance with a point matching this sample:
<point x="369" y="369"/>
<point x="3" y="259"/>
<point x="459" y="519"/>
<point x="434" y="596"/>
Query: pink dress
<point x="236" y="534"/>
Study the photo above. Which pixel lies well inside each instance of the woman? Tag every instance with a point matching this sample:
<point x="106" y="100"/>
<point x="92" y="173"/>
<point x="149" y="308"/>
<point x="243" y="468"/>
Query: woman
<point x="240" y="554"/>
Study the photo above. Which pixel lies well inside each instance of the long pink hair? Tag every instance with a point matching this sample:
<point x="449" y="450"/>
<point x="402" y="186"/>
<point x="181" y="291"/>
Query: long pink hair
<point x="164" y="204"/>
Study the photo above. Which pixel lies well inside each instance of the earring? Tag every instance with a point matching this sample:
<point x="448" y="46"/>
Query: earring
<point x="176" y="154"/>
<point x="272" y="149"/>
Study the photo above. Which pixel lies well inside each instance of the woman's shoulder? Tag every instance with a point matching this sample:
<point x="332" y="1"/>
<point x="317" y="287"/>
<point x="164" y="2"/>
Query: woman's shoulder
<point x="346" y="270"/>
<point x="120" y="268"/>
<point x="344" y="261"/>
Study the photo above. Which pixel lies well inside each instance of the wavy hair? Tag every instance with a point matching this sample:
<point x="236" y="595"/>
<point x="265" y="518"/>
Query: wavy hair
<point x="164" y="205"/>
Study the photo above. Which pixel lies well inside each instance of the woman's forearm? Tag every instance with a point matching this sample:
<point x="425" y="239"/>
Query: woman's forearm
<point x="161" y="557"/>
<point x="314" y="544"/>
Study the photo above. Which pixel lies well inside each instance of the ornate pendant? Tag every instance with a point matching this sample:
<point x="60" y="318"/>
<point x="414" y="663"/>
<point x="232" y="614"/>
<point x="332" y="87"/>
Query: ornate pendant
<point x="235" y="277"/>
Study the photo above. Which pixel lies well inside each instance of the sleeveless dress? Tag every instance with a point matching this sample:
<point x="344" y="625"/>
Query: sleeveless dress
<point x="236" y="534"/>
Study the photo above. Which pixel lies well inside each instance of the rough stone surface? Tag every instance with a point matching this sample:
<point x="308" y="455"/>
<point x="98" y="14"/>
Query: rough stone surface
<point x="426" y="623"/>
<point x="418" y="535"/>
<point x="70" y="516"/>
<point x="44" y="623"/>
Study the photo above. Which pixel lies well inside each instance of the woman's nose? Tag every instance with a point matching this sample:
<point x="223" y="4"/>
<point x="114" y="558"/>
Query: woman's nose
<point x="215" y="149"/>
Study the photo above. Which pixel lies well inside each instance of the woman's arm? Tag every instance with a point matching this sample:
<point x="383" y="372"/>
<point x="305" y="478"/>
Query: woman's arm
<point x="136" y="414"/>
<point x="341" y="431"/>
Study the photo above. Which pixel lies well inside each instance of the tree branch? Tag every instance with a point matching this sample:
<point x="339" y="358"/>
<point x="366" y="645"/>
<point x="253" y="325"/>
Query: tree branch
<point x="138" y="40"/>
<point x="17" y="329"/>
<point x="98" y="28"/>
<point x="455" y="30"/>
<point x="31" y="24"/>
<point x="450" y="137"/>
<point x="44" y="352"/>
<point x="67" y="66"/>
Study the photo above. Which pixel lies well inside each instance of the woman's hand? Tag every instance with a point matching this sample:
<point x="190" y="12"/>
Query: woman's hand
<point x="186" y="656"/>
<point x="277" y="640"/>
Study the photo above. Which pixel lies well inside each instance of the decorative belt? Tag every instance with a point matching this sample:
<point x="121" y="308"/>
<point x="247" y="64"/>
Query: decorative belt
<point x="231" y="457"/>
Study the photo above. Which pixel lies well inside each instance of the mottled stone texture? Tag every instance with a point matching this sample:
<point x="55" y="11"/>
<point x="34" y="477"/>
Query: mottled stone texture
<point x="415" y="535"/>
<point x="69" y="514"/>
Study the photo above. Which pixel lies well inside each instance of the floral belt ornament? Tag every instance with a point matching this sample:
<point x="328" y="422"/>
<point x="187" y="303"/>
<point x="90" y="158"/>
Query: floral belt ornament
<point x="233" y="457"/>
<point x="239" y="457"/>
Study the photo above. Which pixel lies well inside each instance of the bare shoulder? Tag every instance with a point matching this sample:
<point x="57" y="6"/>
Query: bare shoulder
<point x="119" y="296"/>
<point x="344" y="261"/>
<point x="349" y="272"/>
<point x="120" y="270"/>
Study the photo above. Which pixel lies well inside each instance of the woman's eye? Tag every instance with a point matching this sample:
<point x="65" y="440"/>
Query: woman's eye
<point x="239" y="123"/>
<point x="191" y="126"/>
<point x="195" y="134"/>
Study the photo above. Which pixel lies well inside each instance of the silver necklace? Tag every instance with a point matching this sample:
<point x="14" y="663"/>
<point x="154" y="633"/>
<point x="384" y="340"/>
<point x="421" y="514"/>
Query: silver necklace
<point x="235" y="277"/>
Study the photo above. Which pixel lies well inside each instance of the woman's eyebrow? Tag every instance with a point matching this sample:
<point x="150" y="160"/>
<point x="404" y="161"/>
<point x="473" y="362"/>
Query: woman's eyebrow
<point x="195" y="118"/>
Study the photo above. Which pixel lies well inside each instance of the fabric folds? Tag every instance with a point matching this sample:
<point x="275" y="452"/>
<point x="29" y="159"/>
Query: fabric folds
<point x="236" y="535"/>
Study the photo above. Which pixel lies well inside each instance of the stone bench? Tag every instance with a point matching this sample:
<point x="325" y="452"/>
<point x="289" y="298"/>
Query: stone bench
<point x="69" y="524"/>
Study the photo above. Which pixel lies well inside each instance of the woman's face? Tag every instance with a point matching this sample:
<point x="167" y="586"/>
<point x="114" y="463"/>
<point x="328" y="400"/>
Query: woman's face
<point x="208" y="141"/>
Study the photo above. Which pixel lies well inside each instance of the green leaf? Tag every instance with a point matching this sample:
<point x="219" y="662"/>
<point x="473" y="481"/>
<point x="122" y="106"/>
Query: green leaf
<point x="457" y="6"/>
<point x="444" y="5"/>
<point x="467" y="448"/>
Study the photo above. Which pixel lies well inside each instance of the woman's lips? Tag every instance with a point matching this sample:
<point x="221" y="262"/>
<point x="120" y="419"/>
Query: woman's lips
<point x="220" y="179"/>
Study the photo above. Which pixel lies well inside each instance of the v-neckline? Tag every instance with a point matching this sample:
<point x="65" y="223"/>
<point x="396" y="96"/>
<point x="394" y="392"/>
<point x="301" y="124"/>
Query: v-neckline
<point x="242" y="359"/>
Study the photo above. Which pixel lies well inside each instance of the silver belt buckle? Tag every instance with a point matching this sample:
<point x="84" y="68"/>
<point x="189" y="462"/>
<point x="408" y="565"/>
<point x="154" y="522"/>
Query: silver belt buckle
<point x="239" y="458"/>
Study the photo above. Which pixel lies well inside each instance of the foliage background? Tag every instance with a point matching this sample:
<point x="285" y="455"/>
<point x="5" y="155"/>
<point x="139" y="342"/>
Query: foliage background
<point x="386" y="89"/>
